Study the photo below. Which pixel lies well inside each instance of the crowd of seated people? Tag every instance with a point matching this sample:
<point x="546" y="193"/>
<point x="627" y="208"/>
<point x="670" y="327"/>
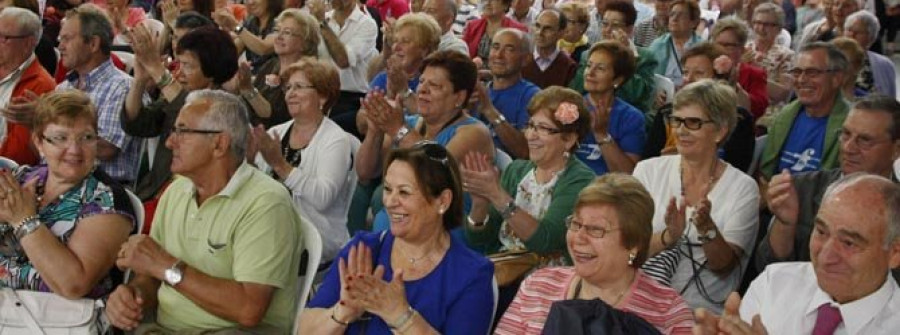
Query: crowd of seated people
<point x="467" y="167"/>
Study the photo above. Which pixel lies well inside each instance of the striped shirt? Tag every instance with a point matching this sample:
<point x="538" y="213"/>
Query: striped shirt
<point x="659" y="305"/>
<point x="107" y="87"/>
<point x="648" y="30"/>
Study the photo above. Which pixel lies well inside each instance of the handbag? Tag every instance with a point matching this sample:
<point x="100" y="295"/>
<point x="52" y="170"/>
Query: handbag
<point x="24" y="312"/>
<point x="593" y="317"/>
<point x="512" y="266"/>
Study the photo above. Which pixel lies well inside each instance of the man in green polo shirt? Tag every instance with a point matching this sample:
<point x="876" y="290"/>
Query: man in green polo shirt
<point x="224" y="249"/>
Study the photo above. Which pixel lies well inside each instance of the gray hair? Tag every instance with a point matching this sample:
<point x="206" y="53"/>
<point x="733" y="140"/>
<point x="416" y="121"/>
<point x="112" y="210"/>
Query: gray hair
<point x="871" y="22"/>
<point x="731" y="23"/>
<point x="524" y="39"/>
<point x="94" y="22"/>
<point x="770" y="8"/>
<point x="890" y="195"/>
<point x="309" y="29"/>
<point x="27" y="21"/>
<point x="837" y="61"/>
<point x="718" y="100"/>
<point x="226" y="113"/>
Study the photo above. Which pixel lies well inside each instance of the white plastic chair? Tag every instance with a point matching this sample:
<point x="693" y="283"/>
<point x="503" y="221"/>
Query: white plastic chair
<point x="312" y="243"/>
<point x="139" y="216"/>
<point x="7" y="163"/>
<point x="757" y="153"/>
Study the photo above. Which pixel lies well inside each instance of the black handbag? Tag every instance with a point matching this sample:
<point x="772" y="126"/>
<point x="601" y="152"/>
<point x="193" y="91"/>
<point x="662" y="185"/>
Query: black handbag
<point x="594" y="317"/>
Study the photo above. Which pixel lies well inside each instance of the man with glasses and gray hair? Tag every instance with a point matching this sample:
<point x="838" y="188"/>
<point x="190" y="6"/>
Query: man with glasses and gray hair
<point x="804" y="135"/>
<point x="22" y="75"/>
<point x="224" y="249"/>
<point x="869" y="141"/>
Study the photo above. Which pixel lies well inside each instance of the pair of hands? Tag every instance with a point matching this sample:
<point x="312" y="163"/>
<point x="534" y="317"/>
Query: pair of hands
<point x="383" y="114"/>
<point x="729" y="323"/>
<point x="481" y="179"/>
<point x="143" y="256"/>
<point x="781" y="196"/>
<point x="600" y="115"/>
<point x="676" y="216"/>
<point x="17" y="202"/>
<point x="363" y="290"/>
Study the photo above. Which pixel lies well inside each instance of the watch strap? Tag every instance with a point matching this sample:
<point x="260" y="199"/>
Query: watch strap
<point x="401" y="133"/>
<point x="509" y="209"/>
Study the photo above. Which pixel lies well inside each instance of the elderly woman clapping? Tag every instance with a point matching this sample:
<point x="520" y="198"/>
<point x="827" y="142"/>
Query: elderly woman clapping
<point x="877" y="74"/>
<point x="67" y="218"/>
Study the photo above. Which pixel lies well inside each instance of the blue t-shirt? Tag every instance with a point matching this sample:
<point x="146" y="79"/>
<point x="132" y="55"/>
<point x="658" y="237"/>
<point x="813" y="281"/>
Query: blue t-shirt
<point x="455" y="298"/>
<point x="802" y="150"/>
<point x="512" y="101"/>
<point x="626" y="126"/>
<point x="380" y="82"/>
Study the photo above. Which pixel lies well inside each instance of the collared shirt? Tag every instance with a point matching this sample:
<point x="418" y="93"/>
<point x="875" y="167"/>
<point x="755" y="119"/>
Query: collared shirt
<point x="108" y="86"/>
<point x="528" y="20"/>
<point x="358" y="36"/>
<point x="544" y="62"/>
<point x="249" y="232"/>
<point x="787" y="295"/>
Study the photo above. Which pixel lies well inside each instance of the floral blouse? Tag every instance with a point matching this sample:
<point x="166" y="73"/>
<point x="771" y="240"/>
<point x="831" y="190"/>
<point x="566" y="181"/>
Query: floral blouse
<point x="95" y="195"/>
<point x="533" y="198"/>
<point x="776" y="62"/>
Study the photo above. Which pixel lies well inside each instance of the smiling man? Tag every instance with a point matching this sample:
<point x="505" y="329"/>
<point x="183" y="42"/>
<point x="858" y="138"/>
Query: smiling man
<point x="549" y="66"/>
<point x="869" y="142"/>
<point x="803" y="137"/>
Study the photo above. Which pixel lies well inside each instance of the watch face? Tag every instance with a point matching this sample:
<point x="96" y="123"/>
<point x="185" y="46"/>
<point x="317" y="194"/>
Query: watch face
<point x="173" y="276"/>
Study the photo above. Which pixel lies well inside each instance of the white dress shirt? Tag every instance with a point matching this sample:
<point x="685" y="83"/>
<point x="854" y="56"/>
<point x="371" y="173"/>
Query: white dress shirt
<point x="449" y="41"/>
<point x="544" y="63"/>
<point x="358" y="36"/>
<point x="787" y="297"/>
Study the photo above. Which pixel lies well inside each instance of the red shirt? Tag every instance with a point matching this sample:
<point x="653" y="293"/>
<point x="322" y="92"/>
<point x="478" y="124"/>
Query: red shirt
<point x="389" y="8"/>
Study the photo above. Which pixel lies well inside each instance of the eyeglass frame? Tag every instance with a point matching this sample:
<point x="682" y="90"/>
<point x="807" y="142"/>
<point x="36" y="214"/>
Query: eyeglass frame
<point x="178" y="132"/>
<point x="796" y="72"/>
<point x="66" y="140"/>
<point x="286" y="32"/>
<point x="676" y="121"/>
<point x="597" y="232"/>
<point x="288" y="87"/>
<point x="541" y="129"/>
<point x="863" y="144"/>
<point x="441" y="155"/>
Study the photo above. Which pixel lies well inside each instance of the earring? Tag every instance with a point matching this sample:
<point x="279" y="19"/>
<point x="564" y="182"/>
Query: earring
<point x="441" y="210"/>
<point x="566" y="154"/>
<point x="631" y="258"/>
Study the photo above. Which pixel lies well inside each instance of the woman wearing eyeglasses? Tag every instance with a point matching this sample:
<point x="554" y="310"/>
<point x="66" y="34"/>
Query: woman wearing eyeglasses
<point x="296" y="36"/>
<point x="310" y="154"/>
<point x="699" y="63"/>
<point x="684" y="16"/>
<point x="608" y="237"/>
<point x="616" y="137"/>
<point x="255" y="35"/>
<point x="414" y="278"/>
<point x="706" y="210"/>
<point x="207" y="59"/>
<point x="765" y="53"/>
<point x="63" y="222"/>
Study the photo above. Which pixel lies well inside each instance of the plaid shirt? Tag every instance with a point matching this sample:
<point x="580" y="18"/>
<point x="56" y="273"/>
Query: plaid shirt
<point x="108" y="86"/>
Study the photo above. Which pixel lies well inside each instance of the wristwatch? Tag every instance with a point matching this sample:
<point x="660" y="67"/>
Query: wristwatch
<point x="238" y="29"/>
<point x="499" y="120"/>
<point x="605" y="140"/>
<point x="509" y="210"/>
<point x="708" y="236"/>
<point x="401" y="133"/>
<point x="174" y="274"/>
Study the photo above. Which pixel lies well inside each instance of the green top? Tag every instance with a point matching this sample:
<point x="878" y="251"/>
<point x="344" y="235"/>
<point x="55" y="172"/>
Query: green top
<point x="781" y="128"/>
<point x="637" y="90"/>
<point x="249" y="232"/>
<point x="550" y="236"/>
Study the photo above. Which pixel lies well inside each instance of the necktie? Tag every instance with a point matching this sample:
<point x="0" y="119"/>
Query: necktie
<point x="827" y="320"/>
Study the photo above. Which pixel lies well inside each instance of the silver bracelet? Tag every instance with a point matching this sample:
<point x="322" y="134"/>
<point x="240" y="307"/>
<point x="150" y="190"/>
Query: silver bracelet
<point x="28" y="226"/>
<point x="403" y="319"/>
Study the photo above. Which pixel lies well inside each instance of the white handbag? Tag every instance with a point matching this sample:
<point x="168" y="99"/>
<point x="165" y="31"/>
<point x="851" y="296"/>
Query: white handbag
<point x="24" y="312"/>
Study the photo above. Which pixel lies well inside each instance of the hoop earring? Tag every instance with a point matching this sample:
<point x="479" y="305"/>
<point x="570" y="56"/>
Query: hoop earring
<point x="631" y="258"/>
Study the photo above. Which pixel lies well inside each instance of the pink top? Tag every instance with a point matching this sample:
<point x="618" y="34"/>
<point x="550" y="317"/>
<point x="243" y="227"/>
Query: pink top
<point x="660" y="305"/>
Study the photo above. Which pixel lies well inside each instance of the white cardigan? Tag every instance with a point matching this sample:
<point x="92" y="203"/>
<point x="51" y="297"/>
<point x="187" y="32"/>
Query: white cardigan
<point x="322" y="185"/>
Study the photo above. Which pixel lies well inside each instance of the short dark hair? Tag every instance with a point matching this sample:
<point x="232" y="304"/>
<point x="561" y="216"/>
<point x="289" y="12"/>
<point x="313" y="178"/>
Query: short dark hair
<point x="94" y="22"/>
<point x="214" y="49"/>
<point x="462" y="71"/>
<point x="434" y="174"/>
<point x="205" y="7"/>
<point x="193" y="20"/>
<point x="563" y="21"/>
<point x="622" y="55"/>
<point x="692" y="7"/>
<point x="626" y="8"/>
<point x="884" y="104"/>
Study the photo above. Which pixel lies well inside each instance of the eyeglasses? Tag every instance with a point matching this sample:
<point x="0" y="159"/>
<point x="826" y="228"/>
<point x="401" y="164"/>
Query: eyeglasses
<point x="612" y="24"/>
<point x="433" y="151"/>
<point x="541" y="129"/>
<point x="7" y="38"/>
<point x="766" y="24"/>
<point x="692" y="123"/>
<point x="296" y="86"/>
<point x="285" y="32"/>
<point x="592" y="231"/>
<point x="64" y="141"/>
<point x="863" y="142"/>
<point x="809" y="72"/>
<point x="179" y="132"/>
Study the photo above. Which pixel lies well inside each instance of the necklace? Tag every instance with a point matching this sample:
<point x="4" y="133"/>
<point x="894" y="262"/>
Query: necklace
<point x="619" y="297"/>
<point x="455" y="118"/>
<point x="712" y="177"/>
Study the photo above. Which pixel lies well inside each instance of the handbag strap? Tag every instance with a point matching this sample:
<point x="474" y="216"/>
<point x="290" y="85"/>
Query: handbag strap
<point x="26" y="314"/>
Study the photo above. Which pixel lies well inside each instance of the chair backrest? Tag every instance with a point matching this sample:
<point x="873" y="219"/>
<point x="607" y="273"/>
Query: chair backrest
<point x="7" y="163"/>
<point x="139" y="215"/>
<point x="312" y="243"/>
<point x="757" y="153"/>
<point x="666" y="85"/>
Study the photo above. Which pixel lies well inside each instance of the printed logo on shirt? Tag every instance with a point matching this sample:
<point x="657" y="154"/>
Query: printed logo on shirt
<point x="804" y="161"/>
<point x="590" y="151"/>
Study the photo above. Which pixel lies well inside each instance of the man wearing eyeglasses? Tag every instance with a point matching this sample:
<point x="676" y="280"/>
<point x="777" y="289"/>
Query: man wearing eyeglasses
<point x="869" y="142"/>
<point x="804" y="135"/>
<point x="224" y="250"/>
<point x="549" y="66"/>
<point x="22" y="74"/>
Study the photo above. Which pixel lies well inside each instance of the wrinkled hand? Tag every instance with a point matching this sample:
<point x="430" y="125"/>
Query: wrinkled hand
<point x="387" y="300"/>
<point x="269" y="146"/>
<point x="781" y="197"/>
<point x="125" y="307"/>
<point x="397" y="79"/>
<point x="600" y="117"/>
<point x="244" y="77"/>
<point x="317" y="8"/>
<point x="702" y="219"/>
<point x="387" y="31"/>
<point x="169" y="12"/>
<point x="357" y="265"/>
<point x="145" y="46"/>
<point x="729" y="323"/>
<point x="675" y="219"/>
<point x="386" y="115"/>
<point x="225" y="19"/>
<point x="21" y="109"/>
<point x="480" y="177"/>
<point x="482" y="98"/>
<point x="661" y="99"/>
<point x="144" y="256"/>
<point x="16" y="202"/>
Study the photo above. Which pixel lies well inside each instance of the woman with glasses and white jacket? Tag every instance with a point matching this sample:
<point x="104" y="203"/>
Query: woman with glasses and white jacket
<point x="706" y="209"/>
